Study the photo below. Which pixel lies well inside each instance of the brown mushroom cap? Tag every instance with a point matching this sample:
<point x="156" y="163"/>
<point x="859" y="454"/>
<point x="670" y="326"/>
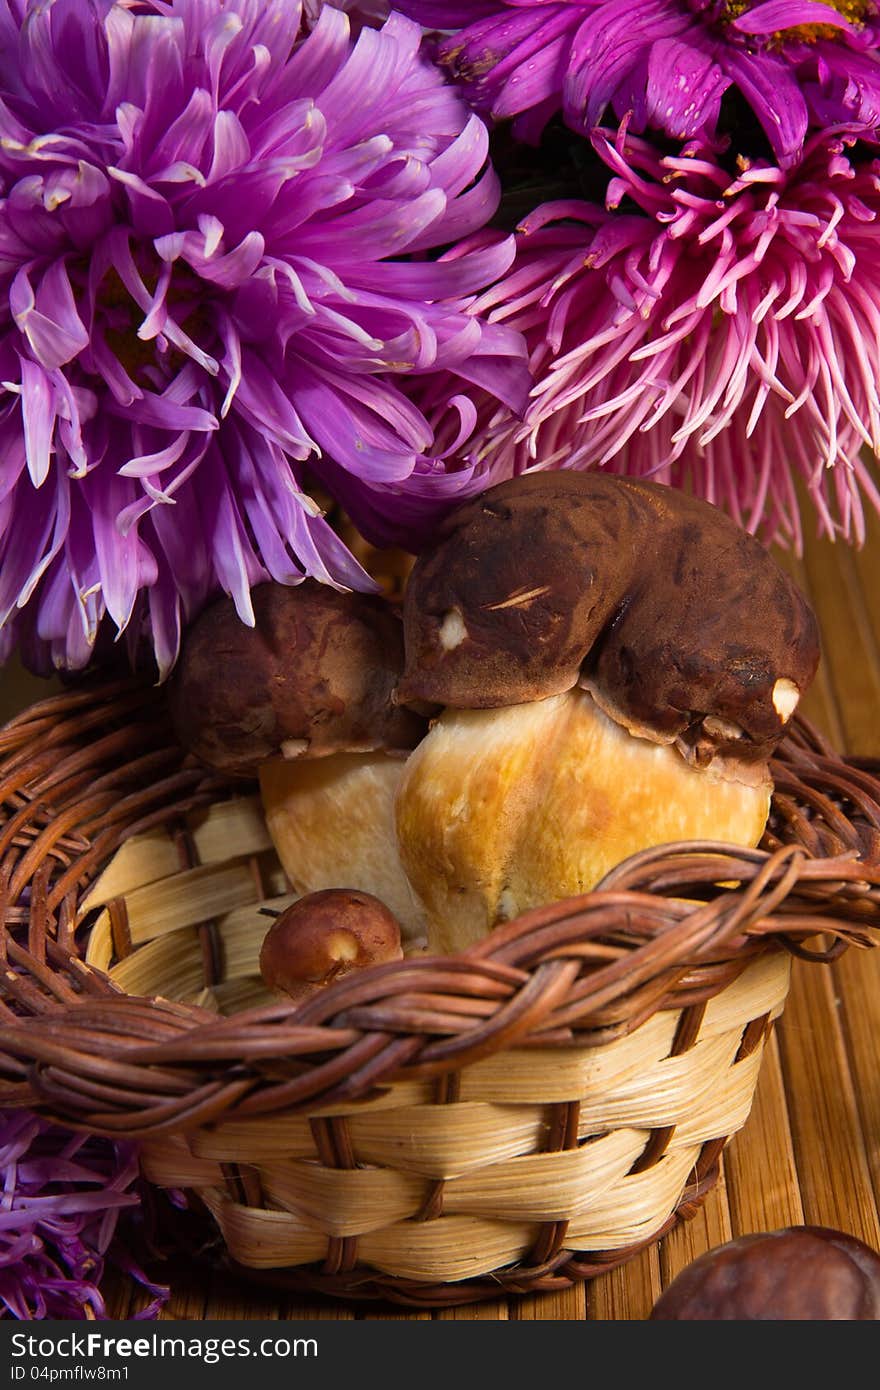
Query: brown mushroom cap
<point x="326" y="934"/>
<point x="314" y="676"/>
<point x="682" y="625"/>
<point x="799" y="1273"/>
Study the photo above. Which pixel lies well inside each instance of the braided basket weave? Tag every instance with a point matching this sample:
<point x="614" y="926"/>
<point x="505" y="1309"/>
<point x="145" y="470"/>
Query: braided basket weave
<point x="438" y="1130"/>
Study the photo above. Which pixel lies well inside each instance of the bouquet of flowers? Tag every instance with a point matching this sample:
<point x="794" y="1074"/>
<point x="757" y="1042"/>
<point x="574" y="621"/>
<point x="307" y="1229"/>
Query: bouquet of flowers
<point x="266" y="263"/>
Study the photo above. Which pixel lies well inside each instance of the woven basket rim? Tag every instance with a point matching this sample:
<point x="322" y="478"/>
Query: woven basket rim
<point x="669" y="928"/>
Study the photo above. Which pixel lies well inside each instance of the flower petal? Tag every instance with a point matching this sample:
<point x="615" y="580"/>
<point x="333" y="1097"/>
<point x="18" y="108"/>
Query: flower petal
<point x="777" y="15"/>
<point x="38" y="412"/>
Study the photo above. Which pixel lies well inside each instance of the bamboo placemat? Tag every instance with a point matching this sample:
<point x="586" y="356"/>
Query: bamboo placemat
<point x="810" y="1151"/>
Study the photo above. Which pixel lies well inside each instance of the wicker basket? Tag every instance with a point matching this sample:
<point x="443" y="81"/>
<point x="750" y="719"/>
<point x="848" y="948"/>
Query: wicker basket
<point x="439" y="1130"/>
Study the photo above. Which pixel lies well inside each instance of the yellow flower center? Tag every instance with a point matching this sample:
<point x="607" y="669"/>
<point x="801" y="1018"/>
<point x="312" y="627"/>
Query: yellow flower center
<point x="856" y="11"/>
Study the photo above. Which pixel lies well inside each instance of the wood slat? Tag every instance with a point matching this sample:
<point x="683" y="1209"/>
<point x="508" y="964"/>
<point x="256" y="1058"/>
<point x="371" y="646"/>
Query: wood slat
<point x="495" y="1311"/>
<point x="565" y="1306"/>
<point x="857" y="983"/>
<point x="830" y="1150"/>
<point x="851" y="663"/>
<point x="764" y="1146"/>
<point x="227" y="1297"/>
<point x="627" y="1293"/>
<point x="829" y="1053"/>
<point x="318" y="1310"/>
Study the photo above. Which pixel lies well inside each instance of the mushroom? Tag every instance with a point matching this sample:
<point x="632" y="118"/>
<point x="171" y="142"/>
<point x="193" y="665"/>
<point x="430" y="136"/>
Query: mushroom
<point x="615" y="661"/>
<point x="302" y="702"/>
<point x="324" y="935"/>
<point x="798" y="1273"/>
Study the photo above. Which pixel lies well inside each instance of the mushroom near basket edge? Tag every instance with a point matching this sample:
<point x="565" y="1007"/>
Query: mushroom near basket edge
<point x="301" y="701"/>
<point x="324" y="935"/>
<point x="616" y="662"/>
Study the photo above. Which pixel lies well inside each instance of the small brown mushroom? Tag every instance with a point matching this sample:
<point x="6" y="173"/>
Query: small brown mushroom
<point x="302" y="702"/>
<point x="617" y="661"/>
<point x="798" y="1273"/>
<point x="324" y="935"/>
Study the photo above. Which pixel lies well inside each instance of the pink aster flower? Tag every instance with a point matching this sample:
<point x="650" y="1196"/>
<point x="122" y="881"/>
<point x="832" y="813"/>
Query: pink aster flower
<point x="706" y="329"/>
<point x="665" y="64"/>
<point x="221" y="238"/>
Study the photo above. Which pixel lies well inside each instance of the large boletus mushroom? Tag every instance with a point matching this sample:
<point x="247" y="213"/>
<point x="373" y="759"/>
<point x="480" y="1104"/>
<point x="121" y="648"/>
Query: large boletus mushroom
<point x="616" y="662"/>
<point x="302" y="701"/>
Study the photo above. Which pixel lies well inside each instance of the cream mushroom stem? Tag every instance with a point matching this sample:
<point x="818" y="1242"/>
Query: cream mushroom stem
<point x="501" y="810"/>
<point x="332" y="823"/>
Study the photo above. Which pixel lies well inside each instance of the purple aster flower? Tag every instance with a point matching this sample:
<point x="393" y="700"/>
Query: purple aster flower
<point x="706" y="329"/>
<point x="224" y="242"/>
<point x="61" y="1196"/>
<point x="665" y="64"/>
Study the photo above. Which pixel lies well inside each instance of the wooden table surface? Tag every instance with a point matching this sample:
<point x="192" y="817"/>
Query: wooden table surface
<point x="810" y="1151"/>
